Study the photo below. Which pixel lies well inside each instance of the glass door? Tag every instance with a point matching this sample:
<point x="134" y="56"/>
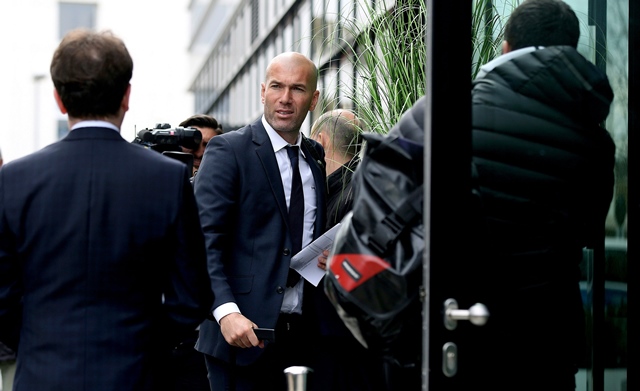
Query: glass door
<point x="605" y="41"/>
<point x="452" y="348"/>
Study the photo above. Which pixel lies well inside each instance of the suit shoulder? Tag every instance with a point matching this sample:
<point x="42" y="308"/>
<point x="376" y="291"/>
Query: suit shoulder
<point x="248" y="134"/>
<point x="237" y="134"/>
<point x="42" y="157"/>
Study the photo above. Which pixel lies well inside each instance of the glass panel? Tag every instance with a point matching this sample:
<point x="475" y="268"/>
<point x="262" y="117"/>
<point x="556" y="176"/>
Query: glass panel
<point x="605" y="27"/>
<point x="615" y="316"/>
<point x="605" y="41"/>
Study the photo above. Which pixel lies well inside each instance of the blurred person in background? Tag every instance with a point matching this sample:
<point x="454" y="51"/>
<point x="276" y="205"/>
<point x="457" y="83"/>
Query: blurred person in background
<point x="188" y="367"/>
<point x="341" y="362"/>
<point x="209" y="127"/>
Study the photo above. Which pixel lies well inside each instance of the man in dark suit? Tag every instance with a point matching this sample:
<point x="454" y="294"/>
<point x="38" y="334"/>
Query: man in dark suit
<point x="101" y="248"/>
<point x="243" y="189"/>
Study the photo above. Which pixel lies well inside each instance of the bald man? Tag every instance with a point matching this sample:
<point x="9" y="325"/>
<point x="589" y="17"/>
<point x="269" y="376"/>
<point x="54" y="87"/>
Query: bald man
<point x="244" y="191"/>
<point x="341" y="362"/>
<point x="338" y="131"/>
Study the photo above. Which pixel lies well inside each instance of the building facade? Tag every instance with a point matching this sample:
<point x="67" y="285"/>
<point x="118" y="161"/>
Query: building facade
<point x="227" y="84"/>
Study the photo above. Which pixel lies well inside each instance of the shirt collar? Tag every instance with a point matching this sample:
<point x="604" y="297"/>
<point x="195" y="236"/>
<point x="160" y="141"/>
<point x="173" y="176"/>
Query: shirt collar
<point x="277" y="142"/>
<point x="95" y="124"/>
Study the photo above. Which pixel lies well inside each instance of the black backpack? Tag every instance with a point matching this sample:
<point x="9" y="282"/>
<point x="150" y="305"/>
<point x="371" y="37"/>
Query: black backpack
<point x="374" y="276"/>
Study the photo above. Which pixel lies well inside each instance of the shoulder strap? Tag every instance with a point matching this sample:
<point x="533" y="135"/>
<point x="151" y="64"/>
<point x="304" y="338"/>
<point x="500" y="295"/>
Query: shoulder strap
<point x="389" y="229"/>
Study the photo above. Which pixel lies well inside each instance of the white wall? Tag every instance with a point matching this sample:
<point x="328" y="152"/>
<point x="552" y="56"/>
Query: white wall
<point x="156" y="34"/>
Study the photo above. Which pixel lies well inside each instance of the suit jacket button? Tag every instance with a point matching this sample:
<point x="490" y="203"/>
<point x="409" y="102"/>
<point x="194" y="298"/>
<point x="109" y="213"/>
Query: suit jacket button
<point x="280" y="290"/>
<point x="286" y="251"/>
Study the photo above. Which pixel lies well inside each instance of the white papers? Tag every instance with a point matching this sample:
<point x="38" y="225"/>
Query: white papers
<point x="306" y="261"/>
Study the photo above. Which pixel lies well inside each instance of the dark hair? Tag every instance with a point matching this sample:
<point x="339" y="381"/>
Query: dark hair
<point x="91" y="72"/>
<point x="203" y="121"/>
<point x="542" y="23"/>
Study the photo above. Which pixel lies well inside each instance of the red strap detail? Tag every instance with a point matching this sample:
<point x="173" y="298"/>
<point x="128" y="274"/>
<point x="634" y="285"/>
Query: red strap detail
<point x="352" y="270"/>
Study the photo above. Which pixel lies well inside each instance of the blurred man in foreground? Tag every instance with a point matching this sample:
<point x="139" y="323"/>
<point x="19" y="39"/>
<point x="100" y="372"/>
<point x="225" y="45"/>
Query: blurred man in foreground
<point x="102" y="260"/>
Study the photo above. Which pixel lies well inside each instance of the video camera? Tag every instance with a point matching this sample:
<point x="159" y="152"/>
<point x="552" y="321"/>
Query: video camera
<point x="163" y="138"/>
<point x="168" y="141"/>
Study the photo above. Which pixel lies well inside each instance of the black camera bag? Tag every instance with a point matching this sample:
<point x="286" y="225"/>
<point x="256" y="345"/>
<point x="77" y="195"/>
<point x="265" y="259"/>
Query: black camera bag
<point x="374" y="276"/>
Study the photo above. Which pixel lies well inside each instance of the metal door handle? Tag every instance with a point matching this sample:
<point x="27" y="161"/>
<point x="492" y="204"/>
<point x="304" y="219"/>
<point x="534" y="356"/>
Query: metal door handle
<point x="477" y="314"/>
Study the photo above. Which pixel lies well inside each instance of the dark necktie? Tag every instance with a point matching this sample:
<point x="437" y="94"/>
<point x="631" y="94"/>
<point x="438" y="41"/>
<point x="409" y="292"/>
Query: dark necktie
<point x="296" y="211"/>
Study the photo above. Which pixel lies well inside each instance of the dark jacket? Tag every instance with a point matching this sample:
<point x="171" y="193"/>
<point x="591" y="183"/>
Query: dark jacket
<point x="339" y="203"/>
<point x="101" y="246"/>
<point x="545" y="164"/>
<point x="6" y="354"/>
<point x="545" y="171"/>
<point x="340" y="197"/>
<point x="244" y="216"/>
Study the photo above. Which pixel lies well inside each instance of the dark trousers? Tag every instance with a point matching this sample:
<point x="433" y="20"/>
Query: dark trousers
<point x="341" y="363"/>
<point x="188" y="370"/>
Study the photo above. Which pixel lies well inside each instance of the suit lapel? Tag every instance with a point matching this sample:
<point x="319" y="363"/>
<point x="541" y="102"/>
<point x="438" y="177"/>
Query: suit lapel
<point x="319" y="177"/>
<point x="264" y="150"/>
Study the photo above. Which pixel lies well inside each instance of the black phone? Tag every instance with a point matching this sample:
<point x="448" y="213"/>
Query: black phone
<point x="265" y="334"/>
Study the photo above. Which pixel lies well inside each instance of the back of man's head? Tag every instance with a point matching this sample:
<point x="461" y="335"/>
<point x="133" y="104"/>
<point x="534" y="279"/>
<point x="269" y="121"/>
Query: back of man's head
<point x="542" y="23"/>
<point x="343" y="129"/>
<point x="91" y="73"/>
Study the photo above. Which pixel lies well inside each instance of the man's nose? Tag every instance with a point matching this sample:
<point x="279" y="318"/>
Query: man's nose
<point x="286" y="95"/>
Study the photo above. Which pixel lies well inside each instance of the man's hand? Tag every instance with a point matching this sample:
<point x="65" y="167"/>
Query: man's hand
<point x="322" y="260"/>
<point x="238" y="331"/>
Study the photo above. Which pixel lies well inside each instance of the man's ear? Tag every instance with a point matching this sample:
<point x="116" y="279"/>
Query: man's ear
<point x="125" y="99"/>
<point x="314" y="100"/>
<point x="321" y="137"/>
<point x="506" y="47"/>
<point x="63" y="109"/>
